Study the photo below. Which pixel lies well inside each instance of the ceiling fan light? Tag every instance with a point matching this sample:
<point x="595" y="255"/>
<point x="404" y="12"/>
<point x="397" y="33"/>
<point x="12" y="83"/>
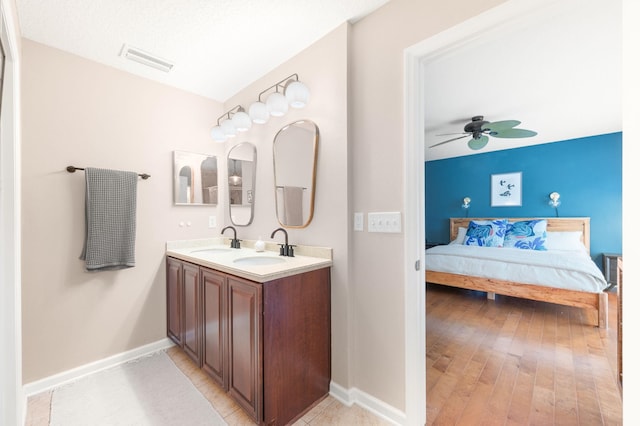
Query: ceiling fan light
<point x="259" y="113"/>
<point x="228" y="128"/>
<point x="297" y="94"/>
<point x="241" y="121"/>
<point x="217" y="134"/>
<point x="277" y="104"/>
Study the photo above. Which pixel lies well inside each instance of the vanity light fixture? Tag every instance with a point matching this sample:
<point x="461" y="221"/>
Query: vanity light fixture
<point x="228" y="128"/>
<point x="296" y="95"/>
<point x="289" y="92"/>
<point x="235" y="179"/>
<point x="235" y="120"/>
<point x="277" y="104"/>
<point x="466" y="203"/>
<point x="258" y="112"/>
<point x="554" y="201"/>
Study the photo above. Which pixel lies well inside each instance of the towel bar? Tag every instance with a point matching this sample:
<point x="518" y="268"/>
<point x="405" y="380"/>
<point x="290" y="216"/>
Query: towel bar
<point x="72" y="169"/>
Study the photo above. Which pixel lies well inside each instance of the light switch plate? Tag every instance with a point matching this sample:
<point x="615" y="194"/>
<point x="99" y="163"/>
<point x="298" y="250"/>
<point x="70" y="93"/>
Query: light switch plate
<point x="212" y="221"/>
<point x="389" y="222"/>
<point x="358" y="221"/>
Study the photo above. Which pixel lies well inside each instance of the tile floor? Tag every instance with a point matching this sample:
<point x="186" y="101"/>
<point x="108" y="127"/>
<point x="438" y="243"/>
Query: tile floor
<point x="328" y="412"/>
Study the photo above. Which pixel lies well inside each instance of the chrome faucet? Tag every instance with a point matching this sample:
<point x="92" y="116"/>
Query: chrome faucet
<point x="235" y="242"/>
<point x="285" y="249"/>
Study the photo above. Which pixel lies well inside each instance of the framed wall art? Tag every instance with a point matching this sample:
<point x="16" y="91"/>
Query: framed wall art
<point x="506" y="189"/>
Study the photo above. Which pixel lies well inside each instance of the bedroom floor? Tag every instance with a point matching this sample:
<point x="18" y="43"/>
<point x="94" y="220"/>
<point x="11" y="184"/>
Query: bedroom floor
<point x="520" y="362"/>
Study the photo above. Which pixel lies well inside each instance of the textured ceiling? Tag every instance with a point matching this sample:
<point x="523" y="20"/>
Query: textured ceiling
<point x="218" y="46"/>
<point x="558" y="70"/>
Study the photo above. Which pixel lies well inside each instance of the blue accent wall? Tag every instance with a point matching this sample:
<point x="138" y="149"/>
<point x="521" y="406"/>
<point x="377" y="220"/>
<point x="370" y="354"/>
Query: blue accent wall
<point x="587" y="172"/>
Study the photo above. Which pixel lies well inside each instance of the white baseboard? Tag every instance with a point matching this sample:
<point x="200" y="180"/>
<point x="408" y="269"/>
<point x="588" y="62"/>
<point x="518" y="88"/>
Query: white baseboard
<point x="68" y="376"/>
<point x="380" y="408"/>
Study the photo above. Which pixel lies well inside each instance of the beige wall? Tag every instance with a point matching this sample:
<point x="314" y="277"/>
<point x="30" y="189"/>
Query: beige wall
<point x="323" y="68"/>
<point x="376" y="101"/>
<point x="78" y="112"/>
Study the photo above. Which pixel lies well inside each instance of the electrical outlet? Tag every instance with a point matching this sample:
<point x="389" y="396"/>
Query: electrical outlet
<point x="389" y="222"/>
<point x="358" y="221"/>
<point x="212" y="221"/>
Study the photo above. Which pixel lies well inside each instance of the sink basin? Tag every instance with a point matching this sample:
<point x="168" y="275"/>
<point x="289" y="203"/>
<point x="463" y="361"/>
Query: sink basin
<point x="258" y="260"/>
<point x="211" y="250"/>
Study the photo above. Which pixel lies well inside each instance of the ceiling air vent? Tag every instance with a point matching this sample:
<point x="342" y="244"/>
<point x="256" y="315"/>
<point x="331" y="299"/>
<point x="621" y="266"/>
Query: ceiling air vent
<point x="145" y="58"/>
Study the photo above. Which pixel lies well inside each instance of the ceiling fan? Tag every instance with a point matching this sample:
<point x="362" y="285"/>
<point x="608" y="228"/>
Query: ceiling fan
<point x="480" y="130"/>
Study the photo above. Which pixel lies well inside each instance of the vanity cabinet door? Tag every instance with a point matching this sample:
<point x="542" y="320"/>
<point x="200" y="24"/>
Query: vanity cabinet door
<point x="192" y="323"/>
<point x="174" y="301"/>
<point x="214" y="311"/>
<point x="245" y="344"/>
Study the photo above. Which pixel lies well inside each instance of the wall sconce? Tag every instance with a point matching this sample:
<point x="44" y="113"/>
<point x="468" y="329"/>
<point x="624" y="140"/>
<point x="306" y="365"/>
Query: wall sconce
<point x="296" y="95"/>
<point x="554" y="201"/>
<point x="237" y="120"/>
<point x="466" y="203"/>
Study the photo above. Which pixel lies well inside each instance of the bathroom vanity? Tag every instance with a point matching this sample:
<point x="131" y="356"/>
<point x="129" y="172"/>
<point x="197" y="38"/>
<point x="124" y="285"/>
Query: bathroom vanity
<point x="257" y="323"/>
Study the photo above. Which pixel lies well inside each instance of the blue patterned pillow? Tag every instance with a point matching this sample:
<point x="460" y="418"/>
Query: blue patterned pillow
<point x="486" y="233"/>
<point x="527" y="234"/>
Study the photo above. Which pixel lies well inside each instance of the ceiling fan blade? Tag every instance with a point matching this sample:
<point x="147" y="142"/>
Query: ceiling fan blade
<point x="451" y="134"/>
<point x="479" y="143"/>
<point x="514" y="133"/>
<point x="449" y="140"/>
<point x="498" y="126"/>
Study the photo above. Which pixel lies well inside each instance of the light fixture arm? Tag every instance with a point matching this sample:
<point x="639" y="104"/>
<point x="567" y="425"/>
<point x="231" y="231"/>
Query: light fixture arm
<point x="229" y="114"/>
<point x="278" y="84"/>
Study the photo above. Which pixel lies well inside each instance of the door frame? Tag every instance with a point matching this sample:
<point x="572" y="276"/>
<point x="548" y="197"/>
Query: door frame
<point x="12" y="397"/>
<point x="415" y="57"/>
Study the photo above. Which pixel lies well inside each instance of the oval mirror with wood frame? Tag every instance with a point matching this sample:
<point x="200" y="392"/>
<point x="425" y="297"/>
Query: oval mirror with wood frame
<point x="295" y="153"/>
<point x="241" y="178"/>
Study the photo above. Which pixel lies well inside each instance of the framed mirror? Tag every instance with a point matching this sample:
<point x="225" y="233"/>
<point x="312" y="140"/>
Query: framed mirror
<point x="195" y="179"/>
<point x="241" y="175"/>
<point x="295" y="152"/>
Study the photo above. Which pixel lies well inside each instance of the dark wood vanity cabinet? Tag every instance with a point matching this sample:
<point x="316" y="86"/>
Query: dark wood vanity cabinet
<point x="267" y="344"/>
<point x="174" y="301"/>
<point x="192" y="322"/>
<point x="214" y="333"/>
<point x="183" y="306"/>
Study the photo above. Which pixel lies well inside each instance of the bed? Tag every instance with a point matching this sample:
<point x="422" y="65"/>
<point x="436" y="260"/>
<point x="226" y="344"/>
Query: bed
<point x="547" y="276"/>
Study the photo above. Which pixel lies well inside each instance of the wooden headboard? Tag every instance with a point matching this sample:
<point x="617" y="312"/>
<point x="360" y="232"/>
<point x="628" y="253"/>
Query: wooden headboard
<point x="554" y="224"/>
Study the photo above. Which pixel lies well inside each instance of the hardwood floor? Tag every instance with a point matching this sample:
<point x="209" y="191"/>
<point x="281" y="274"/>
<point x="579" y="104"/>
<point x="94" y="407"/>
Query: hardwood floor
<point x="518" y="362"/>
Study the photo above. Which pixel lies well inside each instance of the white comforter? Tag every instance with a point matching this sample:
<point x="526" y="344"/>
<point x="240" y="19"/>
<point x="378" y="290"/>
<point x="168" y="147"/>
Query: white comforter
<point x="573" y="270"/>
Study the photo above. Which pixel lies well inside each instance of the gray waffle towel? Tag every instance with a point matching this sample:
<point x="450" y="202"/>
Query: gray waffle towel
<point x="110" y="208"/>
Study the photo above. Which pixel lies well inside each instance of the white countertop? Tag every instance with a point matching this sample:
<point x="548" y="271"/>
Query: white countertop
<point x="223" y="258"/>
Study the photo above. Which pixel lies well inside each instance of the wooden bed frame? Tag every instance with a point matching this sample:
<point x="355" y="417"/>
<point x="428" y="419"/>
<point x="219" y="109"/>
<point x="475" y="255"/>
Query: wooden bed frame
<point x="596" y="304"/>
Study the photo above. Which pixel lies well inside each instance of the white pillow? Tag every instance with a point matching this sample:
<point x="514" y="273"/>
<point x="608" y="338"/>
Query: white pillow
<point x="565" y="240"/>
<point x="462" y="231"/>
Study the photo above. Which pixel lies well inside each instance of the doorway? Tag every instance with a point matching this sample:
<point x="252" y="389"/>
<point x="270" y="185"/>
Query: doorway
<point x="415" y="316"/>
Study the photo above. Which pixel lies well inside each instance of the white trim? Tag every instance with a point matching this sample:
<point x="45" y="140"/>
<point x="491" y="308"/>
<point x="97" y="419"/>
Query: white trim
<point x="74" y="374"/>
<point x="414" y="57"/>
<point x="414" y="294"/>
<point x="12" y="398"/>
<point x="375" y="406"/>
